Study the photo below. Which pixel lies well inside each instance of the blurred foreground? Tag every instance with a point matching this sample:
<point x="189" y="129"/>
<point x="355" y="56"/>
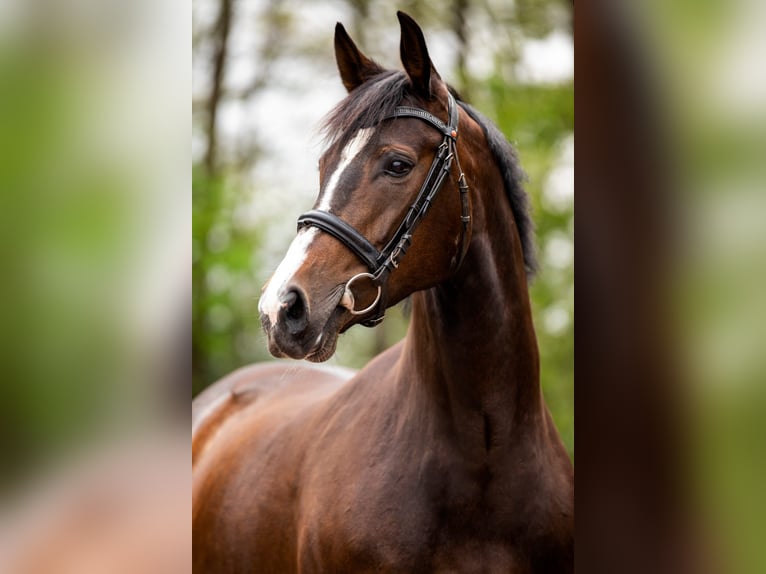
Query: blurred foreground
<point x="671" y="246"/>
<point x="95" y="223"/>
<point x="121" y="512"/>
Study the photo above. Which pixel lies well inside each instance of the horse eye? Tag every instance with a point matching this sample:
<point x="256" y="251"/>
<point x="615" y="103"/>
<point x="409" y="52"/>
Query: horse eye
<point x="398" y="167"/>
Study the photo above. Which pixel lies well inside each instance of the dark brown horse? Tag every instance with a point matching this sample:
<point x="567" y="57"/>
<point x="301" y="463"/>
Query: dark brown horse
<point x="440" y="455"/>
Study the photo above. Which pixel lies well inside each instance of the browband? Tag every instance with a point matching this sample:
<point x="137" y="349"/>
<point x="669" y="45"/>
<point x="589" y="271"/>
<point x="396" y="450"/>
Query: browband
<point x="448" y="130"/>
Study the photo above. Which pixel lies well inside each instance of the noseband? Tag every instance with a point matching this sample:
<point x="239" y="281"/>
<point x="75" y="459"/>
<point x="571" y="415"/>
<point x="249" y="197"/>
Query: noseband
<point x="382" y="263"/>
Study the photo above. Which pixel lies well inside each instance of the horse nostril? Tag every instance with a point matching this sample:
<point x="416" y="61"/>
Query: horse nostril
<point x="294" y="307"/>
<point x="289" y="299"/>
<point x="293" y="311"/>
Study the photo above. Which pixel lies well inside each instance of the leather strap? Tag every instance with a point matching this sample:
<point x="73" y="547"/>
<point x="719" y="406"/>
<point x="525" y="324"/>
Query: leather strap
<point x="448" y="130"/>
<point x="343" y="232"/>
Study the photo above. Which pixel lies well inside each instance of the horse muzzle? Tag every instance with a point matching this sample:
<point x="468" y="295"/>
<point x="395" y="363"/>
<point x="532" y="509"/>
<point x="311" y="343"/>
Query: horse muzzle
<point x="300" y="330"/>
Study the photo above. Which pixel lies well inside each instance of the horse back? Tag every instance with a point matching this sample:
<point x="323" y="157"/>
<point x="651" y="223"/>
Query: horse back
<point x="217" y="404"/>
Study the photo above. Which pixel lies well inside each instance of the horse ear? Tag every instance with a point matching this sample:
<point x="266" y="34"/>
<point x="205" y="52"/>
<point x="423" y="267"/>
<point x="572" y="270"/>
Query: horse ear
<point x="355" y="68"/>
<point x="414" y="54"/>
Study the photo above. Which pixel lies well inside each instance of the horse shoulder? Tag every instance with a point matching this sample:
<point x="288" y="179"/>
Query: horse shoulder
<point x="405" y="503"/>
<point x="242" y="423"/>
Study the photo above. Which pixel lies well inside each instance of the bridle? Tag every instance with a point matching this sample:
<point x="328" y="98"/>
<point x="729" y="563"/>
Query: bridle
<point x="382" y="263"/>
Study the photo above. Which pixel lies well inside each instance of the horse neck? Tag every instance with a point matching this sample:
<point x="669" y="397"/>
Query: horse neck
<point x="471" y="340"/>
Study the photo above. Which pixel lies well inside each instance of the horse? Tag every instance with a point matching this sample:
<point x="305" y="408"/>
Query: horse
<point x="440" y="455"/>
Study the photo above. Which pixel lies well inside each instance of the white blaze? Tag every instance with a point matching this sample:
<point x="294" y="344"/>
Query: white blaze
<point x="348" y="154"/>
<point x="298" y="251"/>
<point x="294" y="259"/>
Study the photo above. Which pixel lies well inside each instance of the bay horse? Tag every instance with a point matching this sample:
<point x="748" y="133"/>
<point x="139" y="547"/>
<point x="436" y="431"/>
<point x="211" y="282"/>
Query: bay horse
<point x="440" y="455"/>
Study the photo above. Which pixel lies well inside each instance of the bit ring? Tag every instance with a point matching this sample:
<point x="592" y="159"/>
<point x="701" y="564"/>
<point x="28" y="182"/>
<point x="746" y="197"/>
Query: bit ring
<point x="348" y="300"/>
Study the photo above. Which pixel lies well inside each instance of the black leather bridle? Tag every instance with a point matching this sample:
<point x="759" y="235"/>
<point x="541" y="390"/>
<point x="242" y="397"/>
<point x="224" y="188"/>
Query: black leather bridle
<point x="382" y="263"/>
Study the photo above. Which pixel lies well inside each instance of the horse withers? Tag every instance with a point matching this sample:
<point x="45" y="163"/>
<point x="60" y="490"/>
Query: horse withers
<point x="440" y="455"/>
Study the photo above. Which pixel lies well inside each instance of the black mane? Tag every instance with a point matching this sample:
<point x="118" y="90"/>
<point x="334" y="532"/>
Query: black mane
<point x="376" y="100"/>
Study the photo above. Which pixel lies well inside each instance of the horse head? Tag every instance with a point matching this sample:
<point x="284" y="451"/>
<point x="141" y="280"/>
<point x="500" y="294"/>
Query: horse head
<point x="381" y="228"/>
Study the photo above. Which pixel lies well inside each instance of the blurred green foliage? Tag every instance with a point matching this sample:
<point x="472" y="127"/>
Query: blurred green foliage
<point x="61" y="231"/>
<point x="225" y="323"/>
<point x="79" y="233"/>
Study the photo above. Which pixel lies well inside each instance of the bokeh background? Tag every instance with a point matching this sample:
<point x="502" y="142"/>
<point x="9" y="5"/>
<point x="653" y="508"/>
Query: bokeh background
<point x="264" y="76"/>
<point x="95" y="253"/>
